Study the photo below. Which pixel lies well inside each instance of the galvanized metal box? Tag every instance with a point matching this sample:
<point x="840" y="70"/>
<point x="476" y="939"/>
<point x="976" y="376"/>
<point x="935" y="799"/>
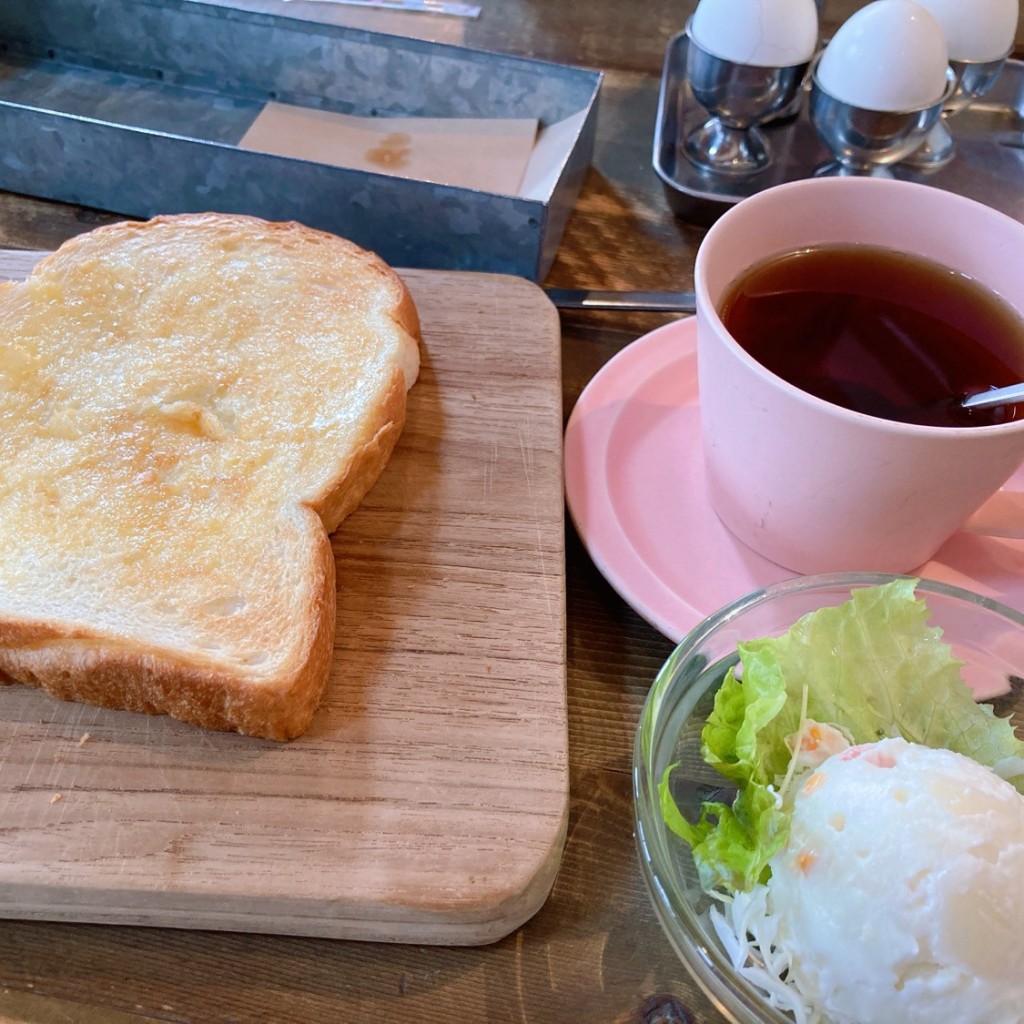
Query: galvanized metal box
<point x="138" y="106"/>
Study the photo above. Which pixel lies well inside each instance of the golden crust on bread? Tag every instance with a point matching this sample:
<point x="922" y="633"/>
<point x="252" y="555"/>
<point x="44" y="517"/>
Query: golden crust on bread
<point x="190" y="406"/>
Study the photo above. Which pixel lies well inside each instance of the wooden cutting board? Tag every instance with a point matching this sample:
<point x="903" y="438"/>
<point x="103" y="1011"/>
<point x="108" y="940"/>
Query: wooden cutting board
<point x="428" y="801"/>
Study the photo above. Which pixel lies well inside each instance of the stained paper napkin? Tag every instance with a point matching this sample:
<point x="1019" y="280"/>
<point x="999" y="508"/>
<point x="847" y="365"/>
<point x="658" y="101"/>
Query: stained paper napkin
<point x="490" y="155"/>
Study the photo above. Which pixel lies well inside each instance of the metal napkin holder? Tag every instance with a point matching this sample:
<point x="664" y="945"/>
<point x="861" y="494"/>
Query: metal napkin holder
<point x="138" y="106"/>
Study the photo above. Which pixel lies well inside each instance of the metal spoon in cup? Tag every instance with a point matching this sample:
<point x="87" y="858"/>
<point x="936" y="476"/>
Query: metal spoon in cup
<point x="997" y="396"/>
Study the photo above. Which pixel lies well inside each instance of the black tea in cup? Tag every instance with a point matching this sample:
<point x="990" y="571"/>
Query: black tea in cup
<point x="880" y="332"/>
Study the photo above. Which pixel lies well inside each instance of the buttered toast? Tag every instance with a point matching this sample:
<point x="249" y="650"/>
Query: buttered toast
<point x="188" y="407"/>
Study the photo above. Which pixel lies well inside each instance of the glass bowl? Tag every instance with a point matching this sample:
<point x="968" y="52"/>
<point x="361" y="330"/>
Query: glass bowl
<point x="986" y="636"/>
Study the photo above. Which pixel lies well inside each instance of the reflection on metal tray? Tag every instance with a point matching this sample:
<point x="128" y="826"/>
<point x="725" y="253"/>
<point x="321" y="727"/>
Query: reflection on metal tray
<point x="138" y="107"/>
<point x="988" y="166"/>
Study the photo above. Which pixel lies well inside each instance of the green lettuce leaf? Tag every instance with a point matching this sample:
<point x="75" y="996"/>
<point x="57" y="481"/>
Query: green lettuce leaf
<point x="732" y="845"/>
<point x="873" y="668"/>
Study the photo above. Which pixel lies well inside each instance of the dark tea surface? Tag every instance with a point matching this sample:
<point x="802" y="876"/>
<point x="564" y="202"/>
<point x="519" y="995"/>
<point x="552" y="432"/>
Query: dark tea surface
<point x="884" y="333"/>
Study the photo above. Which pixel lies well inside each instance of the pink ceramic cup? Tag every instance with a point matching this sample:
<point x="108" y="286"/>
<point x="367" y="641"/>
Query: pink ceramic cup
<point x="810" y="485"/>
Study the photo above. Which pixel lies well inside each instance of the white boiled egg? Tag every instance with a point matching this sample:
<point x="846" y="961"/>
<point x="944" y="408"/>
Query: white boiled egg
<point x="763" y="33"/>
<point x="976" y="30"/>
<point x="890" y="55"/>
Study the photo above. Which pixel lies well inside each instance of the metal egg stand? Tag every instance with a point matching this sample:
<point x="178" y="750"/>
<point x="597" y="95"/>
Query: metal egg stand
<point x="988" y="165"/>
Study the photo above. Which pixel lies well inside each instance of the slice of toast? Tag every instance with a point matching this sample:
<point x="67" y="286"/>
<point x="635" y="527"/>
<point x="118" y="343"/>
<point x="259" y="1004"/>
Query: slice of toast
<point x="188" y="407"/>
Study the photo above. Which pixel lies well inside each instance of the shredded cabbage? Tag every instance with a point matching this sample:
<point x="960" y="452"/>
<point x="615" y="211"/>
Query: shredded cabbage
<point x="748" y="931"/>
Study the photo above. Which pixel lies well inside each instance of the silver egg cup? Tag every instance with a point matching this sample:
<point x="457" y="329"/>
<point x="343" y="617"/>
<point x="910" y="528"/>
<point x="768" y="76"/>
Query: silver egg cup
<point x="973" y="80"/>
<point x="868" y="142"/>
<point x="739" y="97"/>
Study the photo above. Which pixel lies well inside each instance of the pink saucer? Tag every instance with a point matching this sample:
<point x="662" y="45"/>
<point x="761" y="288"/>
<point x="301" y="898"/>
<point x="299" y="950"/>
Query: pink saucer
<point x="634" y="479"/>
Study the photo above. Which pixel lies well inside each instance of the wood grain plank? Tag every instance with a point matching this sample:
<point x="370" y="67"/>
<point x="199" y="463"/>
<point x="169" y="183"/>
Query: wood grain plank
<point x="428" y="801"/>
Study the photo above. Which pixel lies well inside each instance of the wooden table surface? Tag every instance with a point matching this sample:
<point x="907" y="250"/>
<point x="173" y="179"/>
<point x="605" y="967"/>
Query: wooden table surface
<point x="594" y="952"/>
